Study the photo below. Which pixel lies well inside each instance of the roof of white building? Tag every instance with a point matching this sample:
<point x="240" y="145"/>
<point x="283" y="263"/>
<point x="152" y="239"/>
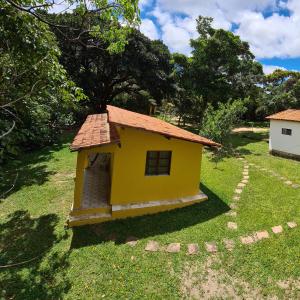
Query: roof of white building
<point x="286" y="115"/>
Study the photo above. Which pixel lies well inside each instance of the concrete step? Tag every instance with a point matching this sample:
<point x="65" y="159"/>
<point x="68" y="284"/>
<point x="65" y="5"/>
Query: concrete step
<point x="88" y="219"/>
<point x="92" y="210"/>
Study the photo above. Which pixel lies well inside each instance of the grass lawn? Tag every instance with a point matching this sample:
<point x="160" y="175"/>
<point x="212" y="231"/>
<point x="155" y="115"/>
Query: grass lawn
<point x="85" y="262"/>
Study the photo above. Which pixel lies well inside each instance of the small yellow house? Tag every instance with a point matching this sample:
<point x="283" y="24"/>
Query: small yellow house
<point x="129" y="164"/>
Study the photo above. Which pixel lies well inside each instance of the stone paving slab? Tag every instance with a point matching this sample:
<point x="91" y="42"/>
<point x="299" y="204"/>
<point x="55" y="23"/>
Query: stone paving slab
<point x="236" y="198"/>
<point x="246" y="177"/>
<point x="262" y="235"/>
<point x="295" y="186"/>
<point x="231" y="213"/>
<point x="246" y="240"/>
<point x="232" y="225"/>
<point x="233" y="206"/>
<point x="277" y="229"/>
<point x="152" y="246"/>
<point x="238" y="191"/>
<point x="292" y="224"/>
<point x="244" y="181"/>
<point x="211" y="247"/>
<point x="193" y="249"/>
<point x="245" y="173"/>
<point x="173" y="248"/>
<point x="131" y="241"/>
<point x="288" y="182"/>
<point x="241" y="185"/>
<point x="229" y="244"/>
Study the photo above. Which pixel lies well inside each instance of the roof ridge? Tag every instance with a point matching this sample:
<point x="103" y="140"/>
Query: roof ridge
<point x="132" y="119"/>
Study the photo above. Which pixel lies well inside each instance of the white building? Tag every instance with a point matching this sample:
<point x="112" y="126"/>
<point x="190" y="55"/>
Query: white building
<point x="285" y="133"/>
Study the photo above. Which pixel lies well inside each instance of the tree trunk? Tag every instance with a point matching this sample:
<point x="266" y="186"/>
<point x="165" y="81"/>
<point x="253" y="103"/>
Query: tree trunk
<point x="102" y="107"/>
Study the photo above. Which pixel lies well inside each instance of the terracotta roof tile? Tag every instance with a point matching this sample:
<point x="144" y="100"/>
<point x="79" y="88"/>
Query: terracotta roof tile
<point x="131" y="119"/>
<point x="286" y="115"/>
<point x="99" y="130"/>
<point x="95" y="131"/>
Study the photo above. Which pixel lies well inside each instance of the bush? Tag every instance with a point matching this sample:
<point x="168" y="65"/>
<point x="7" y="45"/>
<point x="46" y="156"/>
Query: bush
<point x="218" y="124"/>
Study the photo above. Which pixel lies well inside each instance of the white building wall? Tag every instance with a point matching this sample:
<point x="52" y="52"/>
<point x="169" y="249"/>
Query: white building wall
<point x="285" y="143"/>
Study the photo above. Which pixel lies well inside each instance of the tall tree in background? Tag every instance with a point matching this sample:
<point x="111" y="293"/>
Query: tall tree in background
<point x="222" y="65"/>
<point x="221" y="68"/>
<point x="281" y="90"/>
<point x="144" y="65"/>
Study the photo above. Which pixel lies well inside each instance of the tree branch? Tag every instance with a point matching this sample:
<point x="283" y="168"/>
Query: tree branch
<point x="9" y="130"/>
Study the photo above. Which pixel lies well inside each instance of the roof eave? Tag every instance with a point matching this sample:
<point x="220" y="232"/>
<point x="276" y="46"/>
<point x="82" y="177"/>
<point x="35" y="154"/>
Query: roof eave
<point x="73" y="149"/>
<point x="212" y="144"/>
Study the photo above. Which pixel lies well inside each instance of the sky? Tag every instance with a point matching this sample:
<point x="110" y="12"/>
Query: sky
<point x="271" y="27"/>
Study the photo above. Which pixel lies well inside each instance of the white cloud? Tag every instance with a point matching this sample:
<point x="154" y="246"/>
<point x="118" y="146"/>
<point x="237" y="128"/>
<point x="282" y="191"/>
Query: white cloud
<point x="176" y="32"/>
<point x="149" y="29"/>
<point x="268" y="69"/>
<point x="273" y="36"/>
<point x="145" y="3"/>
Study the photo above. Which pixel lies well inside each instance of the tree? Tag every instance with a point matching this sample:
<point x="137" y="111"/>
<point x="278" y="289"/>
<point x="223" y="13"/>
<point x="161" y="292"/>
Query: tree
<point x="222" y="66"/>
<point x="218" y="123"/>
<point x="36" y="97"/>
<point x="144" y="65"/>
<point x="281" y="90"/>
<point x="106" y="12"/>
<point x="189" y="104"/>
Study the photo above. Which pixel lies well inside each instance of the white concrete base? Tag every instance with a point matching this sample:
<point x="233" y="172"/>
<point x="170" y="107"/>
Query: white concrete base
<point x="201" y="196"/>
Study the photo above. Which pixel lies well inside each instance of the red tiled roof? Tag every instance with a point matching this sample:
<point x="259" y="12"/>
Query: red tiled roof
<point x="95" y="131"/>
<point x="286" y="115"/>
<point x="135" y="120"/>
<point x="99" y="130"/>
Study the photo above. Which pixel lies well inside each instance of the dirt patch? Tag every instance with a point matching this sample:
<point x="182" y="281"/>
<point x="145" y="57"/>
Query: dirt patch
<point x="250" y="129"/>
<point x="63" y="177"/>
<point x="210" y="281"/>
<point x="291" y="286"/>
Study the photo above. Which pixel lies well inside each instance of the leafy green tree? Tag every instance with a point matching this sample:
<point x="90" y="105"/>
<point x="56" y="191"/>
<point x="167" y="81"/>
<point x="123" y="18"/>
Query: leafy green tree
<point x="281" y="90"/>
<point x="218" y="123"/>
<point x="36" y="97"/>
<point x="106" y="12"/>
<point x="222" y="66"/>
<point x="144" y="65"/>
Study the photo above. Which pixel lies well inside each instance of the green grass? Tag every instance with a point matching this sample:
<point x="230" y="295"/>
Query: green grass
<point x="84" y="263"/>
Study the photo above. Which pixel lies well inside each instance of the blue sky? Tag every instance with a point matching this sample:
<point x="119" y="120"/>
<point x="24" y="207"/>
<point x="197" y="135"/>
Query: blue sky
<point x="272" y="27"/>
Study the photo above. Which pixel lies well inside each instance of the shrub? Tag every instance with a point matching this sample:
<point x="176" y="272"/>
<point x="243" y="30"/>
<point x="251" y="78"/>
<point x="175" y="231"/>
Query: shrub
<point x="218" y="123"/>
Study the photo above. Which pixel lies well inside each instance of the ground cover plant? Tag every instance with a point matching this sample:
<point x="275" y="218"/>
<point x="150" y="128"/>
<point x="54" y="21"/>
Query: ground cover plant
<point x="95" y="261"/>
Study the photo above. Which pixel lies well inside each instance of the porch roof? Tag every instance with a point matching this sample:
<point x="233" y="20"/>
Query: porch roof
<point x="95" y="131"/>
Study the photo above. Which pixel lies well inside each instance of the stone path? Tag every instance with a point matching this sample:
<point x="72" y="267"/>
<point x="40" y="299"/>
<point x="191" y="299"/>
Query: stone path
<point x="229" y="244"/>
<point x="283" y="179"/>
<point x="212" y="246"/>
<point x="237" y="195"/>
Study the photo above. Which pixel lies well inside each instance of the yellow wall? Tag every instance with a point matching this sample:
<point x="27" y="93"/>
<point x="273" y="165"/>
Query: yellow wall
<point x="129" y="183"/>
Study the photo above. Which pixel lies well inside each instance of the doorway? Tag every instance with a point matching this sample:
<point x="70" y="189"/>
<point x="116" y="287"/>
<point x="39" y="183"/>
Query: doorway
<point x="97" y="181"/>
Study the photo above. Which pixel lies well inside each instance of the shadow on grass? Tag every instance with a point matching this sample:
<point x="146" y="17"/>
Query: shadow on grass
<point x="30" y="168"/>
<point x="243" y="139"/>
<point x="31" y="239"/>
<point x="150" y="225"/>
<point x="235" y="145"/>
